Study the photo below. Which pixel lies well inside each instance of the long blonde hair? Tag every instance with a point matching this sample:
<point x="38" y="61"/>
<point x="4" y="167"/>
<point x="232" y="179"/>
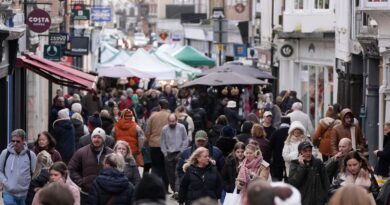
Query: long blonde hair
<point x="44" y="161"/>
<point x="193" y="160"/>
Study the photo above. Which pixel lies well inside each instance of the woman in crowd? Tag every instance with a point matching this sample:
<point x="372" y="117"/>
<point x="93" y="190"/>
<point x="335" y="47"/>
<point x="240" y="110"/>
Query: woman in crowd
<point x="130" y="169"/>
<point x="259" y="135"/>
<point x="356" y="171"/>
<point x="46" y="141"/>
<point x="59" y="174"/>
<point x="252" y="167"/>
<point x="111" y="186"/>
<point x="295" y="137"/>
<point x="230" y="169"/>
<point x="201" y="178"/>
<point x="181" y="114"/>
<point x="40" y="176"/>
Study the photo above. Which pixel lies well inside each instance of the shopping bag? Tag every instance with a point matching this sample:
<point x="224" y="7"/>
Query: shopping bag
<point x="232" y="198"/>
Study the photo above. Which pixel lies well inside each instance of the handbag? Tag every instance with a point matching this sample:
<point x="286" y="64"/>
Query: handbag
<point x="232" y="198"/>
<point x="323" y="132"/>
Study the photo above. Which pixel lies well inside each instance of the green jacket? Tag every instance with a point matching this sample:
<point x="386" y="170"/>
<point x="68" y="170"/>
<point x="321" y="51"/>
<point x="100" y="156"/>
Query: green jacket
<point x="311" y="180"/>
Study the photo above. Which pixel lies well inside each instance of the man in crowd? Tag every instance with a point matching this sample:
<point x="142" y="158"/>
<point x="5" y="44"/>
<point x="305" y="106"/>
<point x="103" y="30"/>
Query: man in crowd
<point x="267" y="124"/>
<point x="86" y="163"/>
<point x="333" y="164"/>
<point x="17" y="163"/>
<point x="153" y="137"/>
<point x="347" y="129"/>
<point x="94" y="122"/>
<point x="173" y="142"/>
<point x="308" y="175"/>
<point x="298" y="115"/>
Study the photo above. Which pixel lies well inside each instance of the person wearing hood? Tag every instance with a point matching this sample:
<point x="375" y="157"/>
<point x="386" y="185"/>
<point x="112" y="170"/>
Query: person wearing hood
<point x="226" y="141"/>
<point x="64" y="134"/>
<point x="111" y="186"/>
<point x="276" y="143"/>
<point x="17" y="165"/>
<point x="347" y="129"/>
<point x="126" y="129"/>
<point x="296" y="135"/>
<point x="201" y="178"/>
<point x="323" y="134"/>
<point x="245" y="134"/>
<point x="86" y="162"/>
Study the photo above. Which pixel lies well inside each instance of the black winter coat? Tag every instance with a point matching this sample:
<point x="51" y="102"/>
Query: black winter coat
<point x="37" y="182"/>
<point x="311" y="180"/>
<point x="233" y="118"/>
<point x="200" y="182"/>
<point x="63" y="132"/>
<point x="226" y="145"/>
<point x="382" y="167"/>
<point x="131" y="171"/>
<point x="276" y="143"/>
<point x="111" y="186"/>
<point x="78" y="129"/>
<point x="229" y="174"/>
<point x="214" y="133"/>
<point x="107" y="124"/>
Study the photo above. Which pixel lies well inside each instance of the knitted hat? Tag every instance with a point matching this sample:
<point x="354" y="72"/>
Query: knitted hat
<point x="150" y="188"/>
<point x="228" y="131"/>
<point x="99" y="132"/>
<point x="201" y="135"/>
<point x="63" y="114"/>
<point x="95" y="120"/>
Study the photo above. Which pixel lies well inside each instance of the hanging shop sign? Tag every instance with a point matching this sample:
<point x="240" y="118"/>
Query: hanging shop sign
<point x="240" y="50"/>
<point x="101" y="14"/>
<point x="52" y="52"/>
<point x="82" y="14"/>
<point x="38" y="21"/>
<point x="286" y="50"/>
<point x="79" y="46"/>
<point x="58" y="39"/>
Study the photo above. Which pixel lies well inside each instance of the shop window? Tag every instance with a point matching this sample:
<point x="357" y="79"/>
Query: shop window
<point x="321" y="4"/>
<point x="298" y="4"/>
<point x="316" y="90"/>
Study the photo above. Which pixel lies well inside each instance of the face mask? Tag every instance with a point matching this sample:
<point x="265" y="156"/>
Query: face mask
<point x="172" y="126"/>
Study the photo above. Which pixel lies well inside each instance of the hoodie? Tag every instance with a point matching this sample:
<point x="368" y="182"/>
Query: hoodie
<point x="16" y="176"/>
<point x="111" y="185"/>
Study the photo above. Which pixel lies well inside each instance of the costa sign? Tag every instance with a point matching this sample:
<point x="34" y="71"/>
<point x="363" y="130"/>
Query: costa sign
<point x="38" y="21"/>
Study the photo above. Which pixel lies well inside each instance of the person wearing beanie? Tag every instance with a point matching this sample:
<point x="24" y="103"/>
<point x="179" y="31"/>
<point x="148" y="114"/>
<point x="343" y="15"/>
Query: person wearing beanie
<point x="94" y="121"/>
<point x="64" y="134"/>
<point x="308" y="175"/>
<point x="87" y="162"/>
<point x="126" y="129"/>
<point x="226" y="141"/>
<point x="150" y="191"/>
<point x="296" y="135"/>
<point x="201" y="140"/>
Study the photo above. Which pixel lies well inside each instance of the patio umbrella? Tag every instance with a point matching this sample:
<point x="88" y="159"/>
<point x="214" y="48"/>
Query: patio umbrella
<point x="225" y="78"/>
<point x="242" y="69"/>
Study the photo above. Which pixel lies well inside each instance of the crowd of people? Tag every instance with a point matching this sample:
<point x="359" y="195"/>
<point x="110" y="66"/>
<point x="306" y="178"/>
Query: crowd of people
<point x="197" y="152"/>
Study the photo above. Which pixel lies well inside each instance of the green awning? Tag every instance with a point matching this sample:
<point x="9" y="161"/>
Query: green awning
<point x="193" y="57"/>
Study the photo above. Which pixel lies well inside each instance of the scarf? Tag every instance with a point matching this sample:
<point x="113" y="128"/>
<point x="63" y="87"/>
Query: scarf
<point x="363" y="179"/>
<point x="248" y="172"/>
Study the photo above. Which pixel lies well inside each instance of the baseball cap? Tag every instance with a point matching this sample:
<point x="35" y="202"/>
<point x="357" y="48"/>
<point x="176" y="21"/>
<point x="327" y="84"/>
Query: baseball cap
<point x="201" y="135"/>
<point x="267" y="113"/>
<point x="304" y="145"/>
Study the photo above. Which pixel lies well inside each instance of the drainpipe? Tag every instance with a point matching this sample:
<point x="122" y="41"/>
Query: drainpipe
<point x="381" y="114"/>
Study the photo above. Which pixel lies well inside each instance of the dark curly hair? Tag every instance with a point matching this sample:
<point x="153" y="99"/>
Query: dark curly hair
<point x="50" y="138"/>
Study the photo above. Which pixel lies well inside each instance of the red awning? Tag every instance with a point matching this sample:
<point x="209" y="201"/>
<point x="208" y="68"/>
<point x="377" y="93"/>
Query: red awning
<point x="56" y="72"/>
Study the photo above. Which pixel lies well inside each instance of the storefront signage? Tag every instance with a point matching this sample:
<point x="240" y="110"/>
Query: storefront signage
<point x="38" y="21"/>
<point x="58" y="39"/>
<point x="286" y="50"/>
<point x="52" y="52"/>
<point x="80" y="14"/>
<point x="79" y="46"/>
<point x="101" y="14"/>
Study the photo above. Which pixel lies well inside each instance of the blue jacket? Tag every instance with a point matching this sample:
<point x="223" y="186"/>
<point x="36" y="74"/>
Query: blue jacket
<point x="16" y="176"/>
<point x="215" y="153"/>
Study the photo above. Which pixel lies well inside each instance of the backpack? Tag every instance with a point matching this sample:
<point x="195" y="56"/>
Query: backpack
<point x="6" y="158"/>
<point x="184" y="122"/>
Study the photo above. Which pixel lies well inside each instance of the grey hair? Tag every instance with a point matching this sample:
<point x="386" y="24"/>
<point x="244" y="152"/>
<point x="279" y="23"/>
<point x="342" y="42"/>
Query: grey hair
<point x="20" y="133"/>
<point x="296" y="106"/>
<point x="115" y="161"/>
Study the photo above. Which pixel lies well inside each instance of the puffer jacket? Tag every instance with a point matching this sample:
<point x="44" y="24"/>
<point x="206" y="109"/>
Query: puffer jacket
<point x="343" y="131"/>
<point x="37" y="183"/>
<point x="323" y="135"/>
<point x="111" y="187"/>
<point x="64" y="134"/>
<point x="200" y="182"/>
<point x="311" y="180"/>
<point x="229" y="173"/>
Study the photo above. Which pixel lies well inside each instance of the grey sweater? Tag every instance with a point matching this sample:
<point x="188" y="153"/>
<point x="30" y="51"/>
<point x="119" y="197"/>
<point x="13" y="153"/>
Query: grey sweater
<point x="173" y="140"/>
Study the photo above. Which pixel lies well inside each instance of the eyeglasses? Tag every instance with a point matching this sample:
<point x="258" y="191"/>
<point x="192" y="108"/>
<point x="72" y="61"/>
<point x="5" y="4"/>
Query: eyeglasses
<point x="16" y="141"/>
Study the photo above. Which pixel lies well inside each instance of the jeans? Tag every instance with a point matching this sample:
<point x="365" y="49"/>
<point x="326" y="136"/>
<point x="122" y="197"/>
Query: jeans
<point x="158" y="165"/>
<point x="170" y="167"/>
<point x="10" y="199"/>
